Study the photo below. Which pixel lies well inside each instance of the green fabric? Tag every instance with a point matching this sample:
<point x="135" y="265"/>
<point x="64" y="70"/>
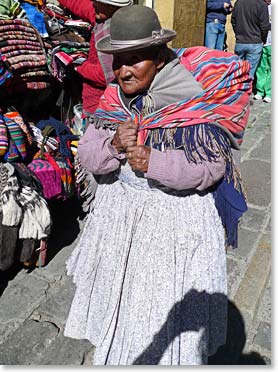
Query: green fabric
<point x="263" y="73"/>
<point x="10" y="9"/>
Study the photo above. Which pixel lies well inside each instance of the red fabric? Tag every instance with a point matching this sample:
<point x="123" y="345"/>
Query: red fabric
<point x="94" y="80"/>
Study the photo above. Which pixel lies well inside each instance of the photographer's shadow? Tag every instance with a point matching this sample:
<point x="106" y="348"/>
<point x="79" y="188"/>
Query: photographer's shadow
<point x="232" y="352"/>
<point x="189" y="315"/>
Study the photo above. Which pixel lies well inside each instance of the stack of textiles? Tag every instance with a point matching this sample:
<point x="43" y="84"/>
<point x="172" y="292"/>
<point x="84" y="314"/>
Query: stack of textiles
<point x="23" y="52"/>
<point x="65" y="54"/>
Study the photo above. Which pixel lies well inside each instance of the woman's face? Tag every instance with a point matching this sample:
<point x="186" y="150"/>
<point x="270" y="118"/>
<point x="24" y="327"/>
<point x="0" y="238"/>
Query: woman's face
<point x="135" y="70"/>
<point x="103" y="11"/>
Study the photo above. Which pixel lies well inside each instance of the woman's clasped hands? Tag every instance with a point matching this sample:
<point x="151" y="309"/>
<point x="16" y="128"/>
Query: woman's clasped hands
<point x="125" y="140"/>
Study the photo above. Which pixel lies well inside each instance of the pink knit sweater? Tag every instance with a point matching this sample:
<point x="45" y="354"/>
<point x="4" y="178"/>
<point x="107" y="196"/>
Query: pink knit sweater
<point x="170" y="168"/>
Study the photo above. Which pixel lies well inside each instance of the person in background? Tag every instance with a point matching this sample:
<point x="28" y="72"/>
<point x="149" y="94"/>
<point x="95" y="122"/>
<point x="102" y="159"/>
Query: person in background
<point x="263" y="72"/>
<point x="216" y="14"/>
<point x="150" y="267"/>
<point x="96" y="71"/>
<point x="251" y="24"/>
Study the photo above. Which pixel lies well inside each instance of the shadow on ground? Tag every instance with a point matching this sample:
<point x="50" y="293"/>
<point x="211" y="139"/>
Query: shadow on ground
<point x="8" y="275"/>
<point x="65" y="228"/>
<point x="191" y="317"/>
<point x="232" y="352"/>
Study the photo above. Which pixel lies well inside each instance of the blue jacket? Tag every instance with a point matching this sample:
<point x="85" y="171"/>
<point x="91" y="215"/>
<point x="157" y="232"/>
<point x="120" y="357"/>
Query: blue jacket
<point x="215" y="10"/>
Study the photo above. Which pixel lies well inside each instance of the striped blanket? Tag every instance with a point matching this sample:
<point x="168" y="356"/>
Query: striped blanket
<point x="224" y="99"/>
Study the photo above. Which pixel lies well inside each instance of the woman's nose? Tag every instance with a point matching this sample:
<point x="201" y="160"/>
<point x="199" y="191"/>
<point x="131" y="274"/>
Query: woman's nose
<point x="125" y="72"/>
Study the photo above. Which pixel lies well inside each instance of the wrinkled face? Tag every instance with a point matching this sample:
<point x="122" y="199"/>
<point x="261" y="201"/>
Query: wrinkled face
<point x="103" y="11"/>
<point x="135" y="70"/>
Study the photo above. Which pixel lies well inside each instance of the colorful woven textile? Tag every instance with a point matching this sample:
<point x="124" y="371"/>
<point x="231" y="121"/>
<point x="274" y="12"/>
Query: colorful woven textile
<point x="64" y="54"/>
<point x="12" y="155"/>
<point x="65" y="170"/>
<point x="224" y="100"/>
<point x="61" y="132"/>
<point x="5" y="73"/>
<point x="3" y="136"/>
<point x="48" y="176"/>
<point x="17" y="118"/>
<point x="23" y="53"/>
<point x="16" y="136"/>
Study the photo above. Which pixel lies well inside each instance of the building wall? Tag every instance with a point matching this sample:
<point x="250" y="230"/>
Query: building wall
<point x="189" y="22"/>
<point x="230" y="33"/>
<point x="186" y="17"/>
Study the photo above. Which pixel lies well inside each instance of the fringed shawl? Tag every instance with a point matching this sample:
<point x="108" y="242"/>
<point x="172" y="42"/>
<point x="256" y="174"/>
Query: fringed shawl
<point x="221" y="109"/>
<point x="224" y="100"/>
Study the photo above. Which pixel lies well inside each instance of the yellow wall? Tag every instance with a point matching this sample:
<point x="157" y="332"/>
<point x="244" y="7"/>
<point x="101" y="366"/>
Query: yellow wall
<point x="186" y="17"/>
<point x="165" y="11"/>
<point x="189" y="22"/>
<point x="230" y="33"/>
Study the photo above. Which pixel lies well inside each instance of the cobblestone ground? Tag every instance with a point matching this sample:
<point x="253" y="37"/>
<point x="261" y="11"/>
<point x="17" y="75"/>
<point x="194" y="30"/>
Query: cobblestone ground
<point x="34" y="303"/>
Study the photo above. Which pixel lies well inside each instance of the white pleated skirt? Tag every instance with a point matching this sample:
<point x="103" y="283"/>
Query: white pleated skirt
<point x="150" y="276"/>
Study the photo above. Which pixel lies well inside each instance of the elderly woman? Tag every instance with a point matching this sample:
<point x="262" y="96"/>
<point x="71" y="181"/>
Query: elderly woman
<point x="150" y="267"/>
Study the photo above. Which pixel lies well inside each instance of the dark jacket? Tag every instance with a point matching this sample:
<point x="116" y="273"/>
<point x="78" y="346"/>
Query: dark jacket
<point x="250" y="21"/>
<point x="215" y="10"/>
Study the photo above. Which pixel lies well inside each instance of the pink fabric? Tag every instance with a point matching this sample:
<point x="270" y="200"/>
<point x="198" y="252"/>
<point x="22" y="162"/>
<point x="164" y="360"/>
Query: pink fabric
<point x="48" y="176"/>
<point x="170" y="168"/>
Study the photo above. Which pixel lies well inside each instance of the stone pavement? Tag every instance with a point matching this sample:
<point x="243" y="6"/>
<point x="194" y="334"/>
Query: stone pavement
<point x="34" y="303"/>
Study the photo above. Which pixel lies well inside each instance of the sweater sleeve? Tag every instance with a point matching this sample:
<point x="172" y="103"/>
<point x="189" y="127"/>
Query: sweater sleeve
<point x="92" y="72"/>
<point x="96" y="152"/>
<point x="172" y="169"/>
<point x="81" y="8"/>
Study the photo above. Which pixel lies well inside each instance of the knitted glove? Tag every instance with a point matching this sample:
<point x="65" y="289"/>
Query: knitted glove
<point x="11" y="210"/>
<point x="36" y="222"/>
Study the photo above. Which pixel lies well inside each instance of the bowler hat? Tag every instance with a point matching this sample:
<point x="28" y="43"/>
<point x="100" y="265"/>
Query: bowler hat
<point x="118" y="3"/>
<point x="134" y="27"/>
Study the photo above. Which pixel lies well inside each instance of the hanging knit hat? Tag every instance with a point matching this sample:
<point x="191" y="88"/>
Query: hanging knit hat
<point x="4" y="176"/>
<point x="11" y="210"/>
<point x="3" y="136"/>
<point x="16" y="135"/>
<point x="12" y="155"/>
<point x="17" y="118"/>
<point x="5" y="73"/>
<point x="44" y="143"/>
<point x="48" y="176"/>
<point x="36" y="221"/>
<point x="63" y="133"/>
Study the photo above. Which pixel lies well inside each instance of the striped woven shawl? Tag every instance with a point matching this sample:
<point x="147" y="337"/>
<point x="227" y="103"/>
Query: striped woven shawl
<point x="224" y="99"/>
